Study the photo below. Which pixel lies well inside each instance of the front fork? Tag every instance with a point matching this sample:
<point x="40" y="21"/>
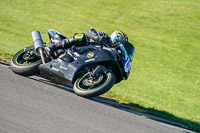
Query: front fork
<point x="42" y="55"/>
<point x="99" y="70"/>
<point x="38" y="44"/>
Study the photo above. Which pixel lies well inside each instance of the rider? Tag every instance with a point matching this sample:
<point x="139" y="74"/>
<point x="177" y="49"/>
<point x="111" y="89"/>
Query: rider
<point x="82" y="39"/>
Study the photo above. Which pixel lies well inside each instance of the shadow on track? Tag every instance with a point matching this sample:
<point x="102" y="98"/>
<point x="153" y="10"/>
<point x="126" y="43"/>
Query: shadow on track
<point x="149" y="113"/>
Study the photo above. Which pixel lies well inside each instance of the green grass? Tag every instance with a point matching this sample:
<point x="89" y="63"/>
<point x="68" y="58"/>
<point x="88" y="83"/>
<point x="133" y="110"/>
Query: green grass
<point x="165" y="77"/>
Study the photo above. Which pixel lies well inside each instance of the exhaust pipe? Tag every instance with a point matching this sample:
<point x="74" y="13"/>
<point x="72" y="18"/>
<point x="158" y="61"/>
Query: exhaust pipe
<point x="38" y="44"/>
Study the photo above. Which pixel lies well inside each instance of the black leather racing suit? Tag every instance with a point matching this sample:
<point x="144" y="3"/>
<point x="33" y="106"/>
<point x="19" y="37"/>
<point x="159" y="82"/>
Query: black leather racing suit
<point x="81" y="39"/>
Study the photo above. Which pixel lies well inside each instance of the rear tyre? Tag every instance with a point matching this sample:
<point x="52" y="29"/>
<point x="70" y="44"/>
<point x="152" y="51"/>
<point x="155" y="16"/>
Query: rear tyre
<point x="26" y="68"/>
<point x="102" y="85"/>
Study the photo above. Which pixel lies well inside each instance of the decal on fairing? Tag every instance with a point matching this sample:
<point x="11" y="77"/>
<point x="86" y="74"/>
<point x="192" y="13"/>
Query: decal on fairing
<point x="90" y="55"/>
<point x="127" y="65"/>
<point x="107" y="48"/>
<point x="90" y="60"/>
<point x="64" y="67"/>
<point x="55" y="69"/>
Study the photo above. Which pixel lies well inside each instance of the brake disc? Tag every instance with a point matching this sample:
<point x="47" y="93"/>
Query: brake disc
<point x="91" y="81"/>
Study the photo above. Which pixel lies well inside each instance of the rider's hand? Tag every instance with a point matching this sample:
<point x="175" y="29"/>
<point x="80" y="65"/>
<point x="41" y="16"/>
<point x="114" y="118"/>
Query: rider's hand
<point x="102" y="33"/>
<point x="92" y="34"/>
<point x="48" y="51"/>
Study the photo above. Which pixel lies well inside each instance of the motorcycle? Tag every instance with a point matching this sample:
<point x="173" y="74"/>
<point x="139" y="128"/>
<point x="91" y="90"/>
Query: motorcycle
<point x="90" y="70"/>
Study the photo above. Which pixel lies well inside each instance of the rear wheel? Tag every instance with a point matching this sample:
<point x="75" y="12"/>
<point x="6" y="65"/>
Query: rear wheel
<point x="88" y="86"/>
<point x="25" y="62"/>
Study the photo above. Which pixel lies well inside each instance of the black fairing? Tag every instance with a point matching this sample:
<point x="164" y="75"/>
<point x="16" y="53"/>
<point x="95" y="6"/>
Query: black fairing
<point x="66" y="69"/>
<point x="130" y="49"/>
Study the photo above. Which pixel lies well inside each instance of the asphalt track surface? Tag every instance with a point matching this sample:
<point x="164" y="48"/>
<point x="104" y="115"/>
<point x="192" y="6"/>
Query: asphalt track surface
<point x="30" y="106"/>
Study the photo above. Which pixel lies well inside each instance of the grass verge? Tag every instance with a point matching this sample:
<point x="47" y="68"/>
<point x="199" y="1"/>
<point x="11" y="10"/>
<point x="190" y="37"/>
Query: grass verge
<point x="165" y="77"/>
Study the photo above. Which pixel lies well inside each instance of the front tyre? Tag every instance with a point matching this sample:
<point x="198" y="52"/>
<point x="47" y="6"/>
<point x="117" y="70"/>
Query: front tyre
<point x="89" y="87"/>
<point x="23" y="67"/>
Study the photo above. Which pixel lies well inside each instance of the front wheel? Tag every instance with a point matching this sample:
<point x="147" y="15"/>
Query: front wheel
<point x="24" y="63"/>
<point x="88" y="86"/>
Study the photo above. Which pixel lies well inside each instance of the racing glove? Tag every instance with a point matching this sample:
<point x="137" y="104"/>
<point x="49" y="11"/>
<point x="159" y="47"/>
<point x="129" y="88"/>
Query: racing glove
<point x="98" y="36"/>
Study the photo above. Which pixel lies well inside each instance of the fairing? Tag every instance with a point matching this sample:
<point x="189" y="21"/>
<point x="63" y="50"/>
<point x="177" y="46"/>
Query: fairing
<point x="65" y="69"/>
<point x="68" y="67"/>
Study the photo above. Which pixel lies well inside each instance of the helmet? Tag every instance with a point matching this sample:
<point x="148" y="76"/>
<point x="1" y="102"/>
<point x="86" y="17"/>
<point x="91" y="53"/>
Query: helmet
<point x="118" y="35"/>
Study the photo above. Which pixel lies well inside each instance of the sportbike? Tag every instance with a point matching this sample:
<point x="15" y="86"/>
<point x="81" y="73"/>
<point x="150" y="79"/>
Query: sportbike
<point x="90" y="70"/>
